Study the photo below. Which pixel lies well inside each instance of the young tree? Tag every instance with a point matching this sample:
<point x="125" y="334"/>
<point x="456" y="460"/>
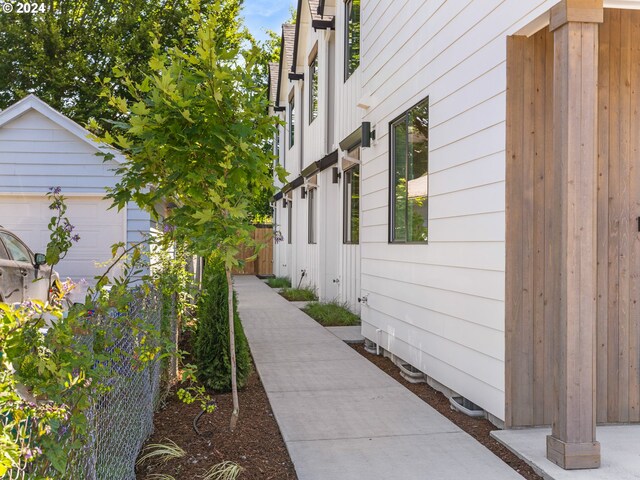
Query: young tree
<point x="194" y="137"/>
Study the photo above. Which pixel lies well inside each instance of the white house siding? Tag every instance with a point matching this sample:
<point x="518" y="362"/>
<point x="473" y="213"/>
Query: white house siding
<point x="348" y="117"/>
<point x="441" y="306"/>
<point x="37" y="153"/>
<point x="329" y="237"/>
<point x="349" y="92"/>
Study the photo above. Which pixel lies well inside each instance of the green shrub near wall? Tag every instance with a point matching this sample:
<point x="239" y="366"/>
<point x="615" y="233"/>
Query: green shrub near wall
<point x="212" y="332"/>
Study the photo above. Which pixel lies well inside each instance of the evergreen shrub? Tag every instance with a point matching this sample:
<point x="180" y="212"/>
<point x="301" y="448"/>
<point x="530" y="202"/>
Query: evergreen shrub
<point x="211" y="347"/>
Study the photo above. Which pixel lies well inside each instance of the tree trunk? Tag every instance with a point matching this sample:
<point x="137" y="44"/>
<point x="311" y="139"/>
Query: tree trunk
<point x="232" y="348"/>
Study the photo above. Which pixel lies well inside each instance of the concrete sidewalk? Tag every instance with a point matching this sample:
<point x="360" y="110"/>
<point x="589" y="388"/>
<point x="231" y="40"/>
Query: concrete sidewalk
<point x="341" y="417"/>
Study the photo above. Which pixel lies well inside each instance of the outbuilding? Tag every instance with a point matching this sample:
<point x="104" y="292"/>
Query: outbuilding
<point x="40" y="148"/>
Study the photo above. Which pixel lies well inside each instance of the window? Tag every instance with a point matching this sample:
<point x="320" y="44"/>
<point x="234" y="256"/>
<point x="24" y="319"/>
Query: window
<point x="351" y="203"/>
<point x="311" y="199"/>
<point x="3" y="253"/>
<point x="313" y="89"/>
<point x="352" y="37"/>
<point x="277" y="145"/>
<point x="410" y="175"/>
<point x="289" y="221"/>
<point x="17" y="251"/>
<point x="292" y="119"/>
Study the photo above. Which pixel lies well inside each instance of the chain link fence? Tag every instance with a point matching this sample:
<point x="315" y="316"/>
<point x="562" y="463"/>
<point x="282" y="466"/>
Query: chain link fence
<point x="121" y="419"/>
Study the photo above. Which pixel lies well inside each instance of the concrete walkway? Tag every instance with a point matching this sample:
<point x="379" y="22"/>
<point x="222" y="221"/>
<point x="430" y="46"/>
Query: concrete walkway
<point x="341" y="417"/>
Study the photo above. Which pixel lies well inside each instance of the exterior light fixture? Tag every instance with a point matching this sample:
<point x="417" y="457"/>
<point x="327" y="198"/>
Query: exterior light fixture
<point x="335" y="175"/>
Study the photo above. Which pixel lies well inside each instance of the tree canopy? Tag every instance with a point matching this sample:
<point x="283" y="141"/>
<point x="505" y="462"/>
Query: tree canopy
<point x="58" y="54"/>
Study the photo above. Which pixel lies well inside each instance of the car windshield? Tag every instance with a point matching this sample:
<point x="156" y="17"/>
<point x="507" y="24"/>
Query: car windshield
<point x="16" y="249"/>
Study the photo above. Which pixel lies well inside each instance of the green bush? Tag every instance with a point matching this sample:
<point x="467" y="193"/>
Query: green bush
<point x="279" y="282"/>
<point x="211" y="349"/>
<point x="332" y="314"/>
<point x="299" y="294"/>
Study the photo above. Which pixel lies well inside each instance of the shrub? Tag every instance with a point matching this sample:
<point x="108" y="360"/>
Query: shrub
<point x="299" y="294"/>
<point x="279" y="282"/>
<point x="211" y="347"/>
<point x="332" y="314"/>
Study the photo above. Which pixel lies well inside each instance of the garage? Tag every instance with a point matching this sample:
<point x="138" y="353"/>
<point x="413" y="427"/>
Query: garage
<point x="99" y="228"/>
<point x="40" y="148"/>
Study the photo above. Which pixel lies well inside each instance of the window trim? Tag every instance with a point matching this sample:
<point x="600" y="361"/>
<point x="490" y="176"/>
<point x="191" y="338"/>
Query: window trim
<point x="291" y="119"/>
<point x="348" y="75"/>
<point x="390" y="216"/>
<point x="290" y="222"/>
<point x="312" y="233"/>
<point x="314" y="78"/>
<point x="345" y="223"/>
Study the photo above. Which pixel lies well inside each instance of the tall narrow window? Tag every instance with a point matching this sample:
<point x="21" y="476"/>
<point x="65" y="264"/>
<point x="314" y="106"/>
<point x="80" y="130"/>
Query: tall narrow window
<point x="311" y="199"/>
<point x="289" y="221"/>
<point x="313" y="89"/>
<point x="351" y="203"/>
<point x="410" y="175"/>
<point x="277" y="146"/>
<point x="292" y="119"/>
<point x="352" y="37"/>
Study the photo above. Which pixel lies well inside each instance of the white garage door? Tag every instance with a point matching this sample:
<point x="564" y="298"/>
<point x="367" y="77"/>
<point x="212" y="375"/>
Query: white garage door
<point x="98" y="227"/>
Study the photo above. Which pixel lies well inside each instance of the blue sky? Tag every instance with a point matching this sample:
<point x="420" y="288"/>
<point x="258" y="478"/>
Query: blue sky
<point x="261" y="15"/>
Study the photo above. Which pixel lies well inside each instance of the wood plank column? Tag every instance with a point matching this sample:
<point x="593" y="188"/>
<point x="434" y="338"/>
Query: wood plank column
<point x="572" y="444"/>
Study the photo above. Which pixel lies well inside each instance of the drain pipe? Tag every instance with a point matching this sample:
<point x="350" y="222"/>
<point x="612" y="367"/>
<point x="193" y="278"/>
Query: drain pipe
<point x="378" y="332"/>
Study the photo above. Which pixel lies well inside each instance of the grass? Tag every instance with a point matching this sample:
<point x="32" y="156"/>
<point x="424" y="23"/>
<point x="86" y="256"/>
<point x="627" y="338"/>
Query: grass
<point x="331" y="314"/>
<point x="299" y="294"/>
<point x="224" y="471"/>
<point x="161" y="452"/>
<point x="279" y="282"/>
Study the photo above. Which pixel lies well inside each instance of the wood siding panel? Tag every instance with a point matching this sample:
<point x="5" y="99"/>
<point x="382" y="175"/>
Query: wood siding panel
<point x="530" y="342"/>
<point x="528" y="156"/>
<point x="618" y="238"/>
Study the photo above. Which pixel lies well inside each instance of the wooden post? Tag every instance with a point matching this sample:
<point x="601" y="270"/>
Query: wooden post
<point x="572" y="444"/>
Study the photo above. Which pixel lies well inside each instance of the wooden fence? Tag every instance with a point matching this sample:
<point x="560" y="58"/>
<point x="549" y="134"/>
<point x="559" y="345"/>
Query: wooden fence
<point x="263" y="265"/>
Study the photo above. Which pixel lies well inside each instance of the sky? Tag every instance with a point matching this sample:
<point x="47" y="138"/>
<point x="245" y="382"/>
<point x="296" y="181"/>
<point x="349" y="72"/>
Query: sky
<point x="261" y="15"/>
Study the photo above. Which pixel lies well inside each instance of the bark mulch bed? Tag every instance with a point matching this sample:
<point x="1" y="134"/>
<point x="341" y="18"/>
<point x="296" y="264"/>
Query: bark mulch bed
<point x="478" y="428"/>
<point x="256" y="444"/>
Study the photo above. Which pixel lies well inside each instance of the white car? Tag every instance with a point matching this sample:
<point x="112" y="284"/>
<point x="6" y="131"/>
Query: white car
<point x="23" y="274"/>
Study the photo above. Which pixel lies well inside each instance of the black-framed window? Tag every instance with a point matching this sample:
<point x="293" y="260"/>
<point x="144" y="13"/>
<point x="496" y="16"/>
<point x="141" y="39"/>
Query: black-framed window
<point x="311" y="201"/>
<point x="351" y="202"/>
<point x="351" y="37"/>
<point x="409" y="152"/>
<point x="289" y="221"/>
<point x="277" y="145"/>
<point x="313" y="89"/>
<point x="292" y="120"/>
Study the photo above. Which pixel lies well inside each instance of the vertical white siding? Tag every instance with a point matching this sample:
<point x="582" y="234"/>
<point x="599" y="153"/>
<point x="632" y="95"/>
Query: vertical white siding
<point x="440" y="306"/>
<point x="349" y="92"/>
<point x="329" y="237"/>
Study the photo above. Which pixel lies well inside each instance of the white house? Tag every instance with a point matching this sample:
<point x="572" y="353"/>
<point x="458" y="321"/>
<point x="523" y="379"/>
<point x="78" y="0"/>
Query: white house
<point x="41" y="148"/>
<point x="497" y="228"/>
